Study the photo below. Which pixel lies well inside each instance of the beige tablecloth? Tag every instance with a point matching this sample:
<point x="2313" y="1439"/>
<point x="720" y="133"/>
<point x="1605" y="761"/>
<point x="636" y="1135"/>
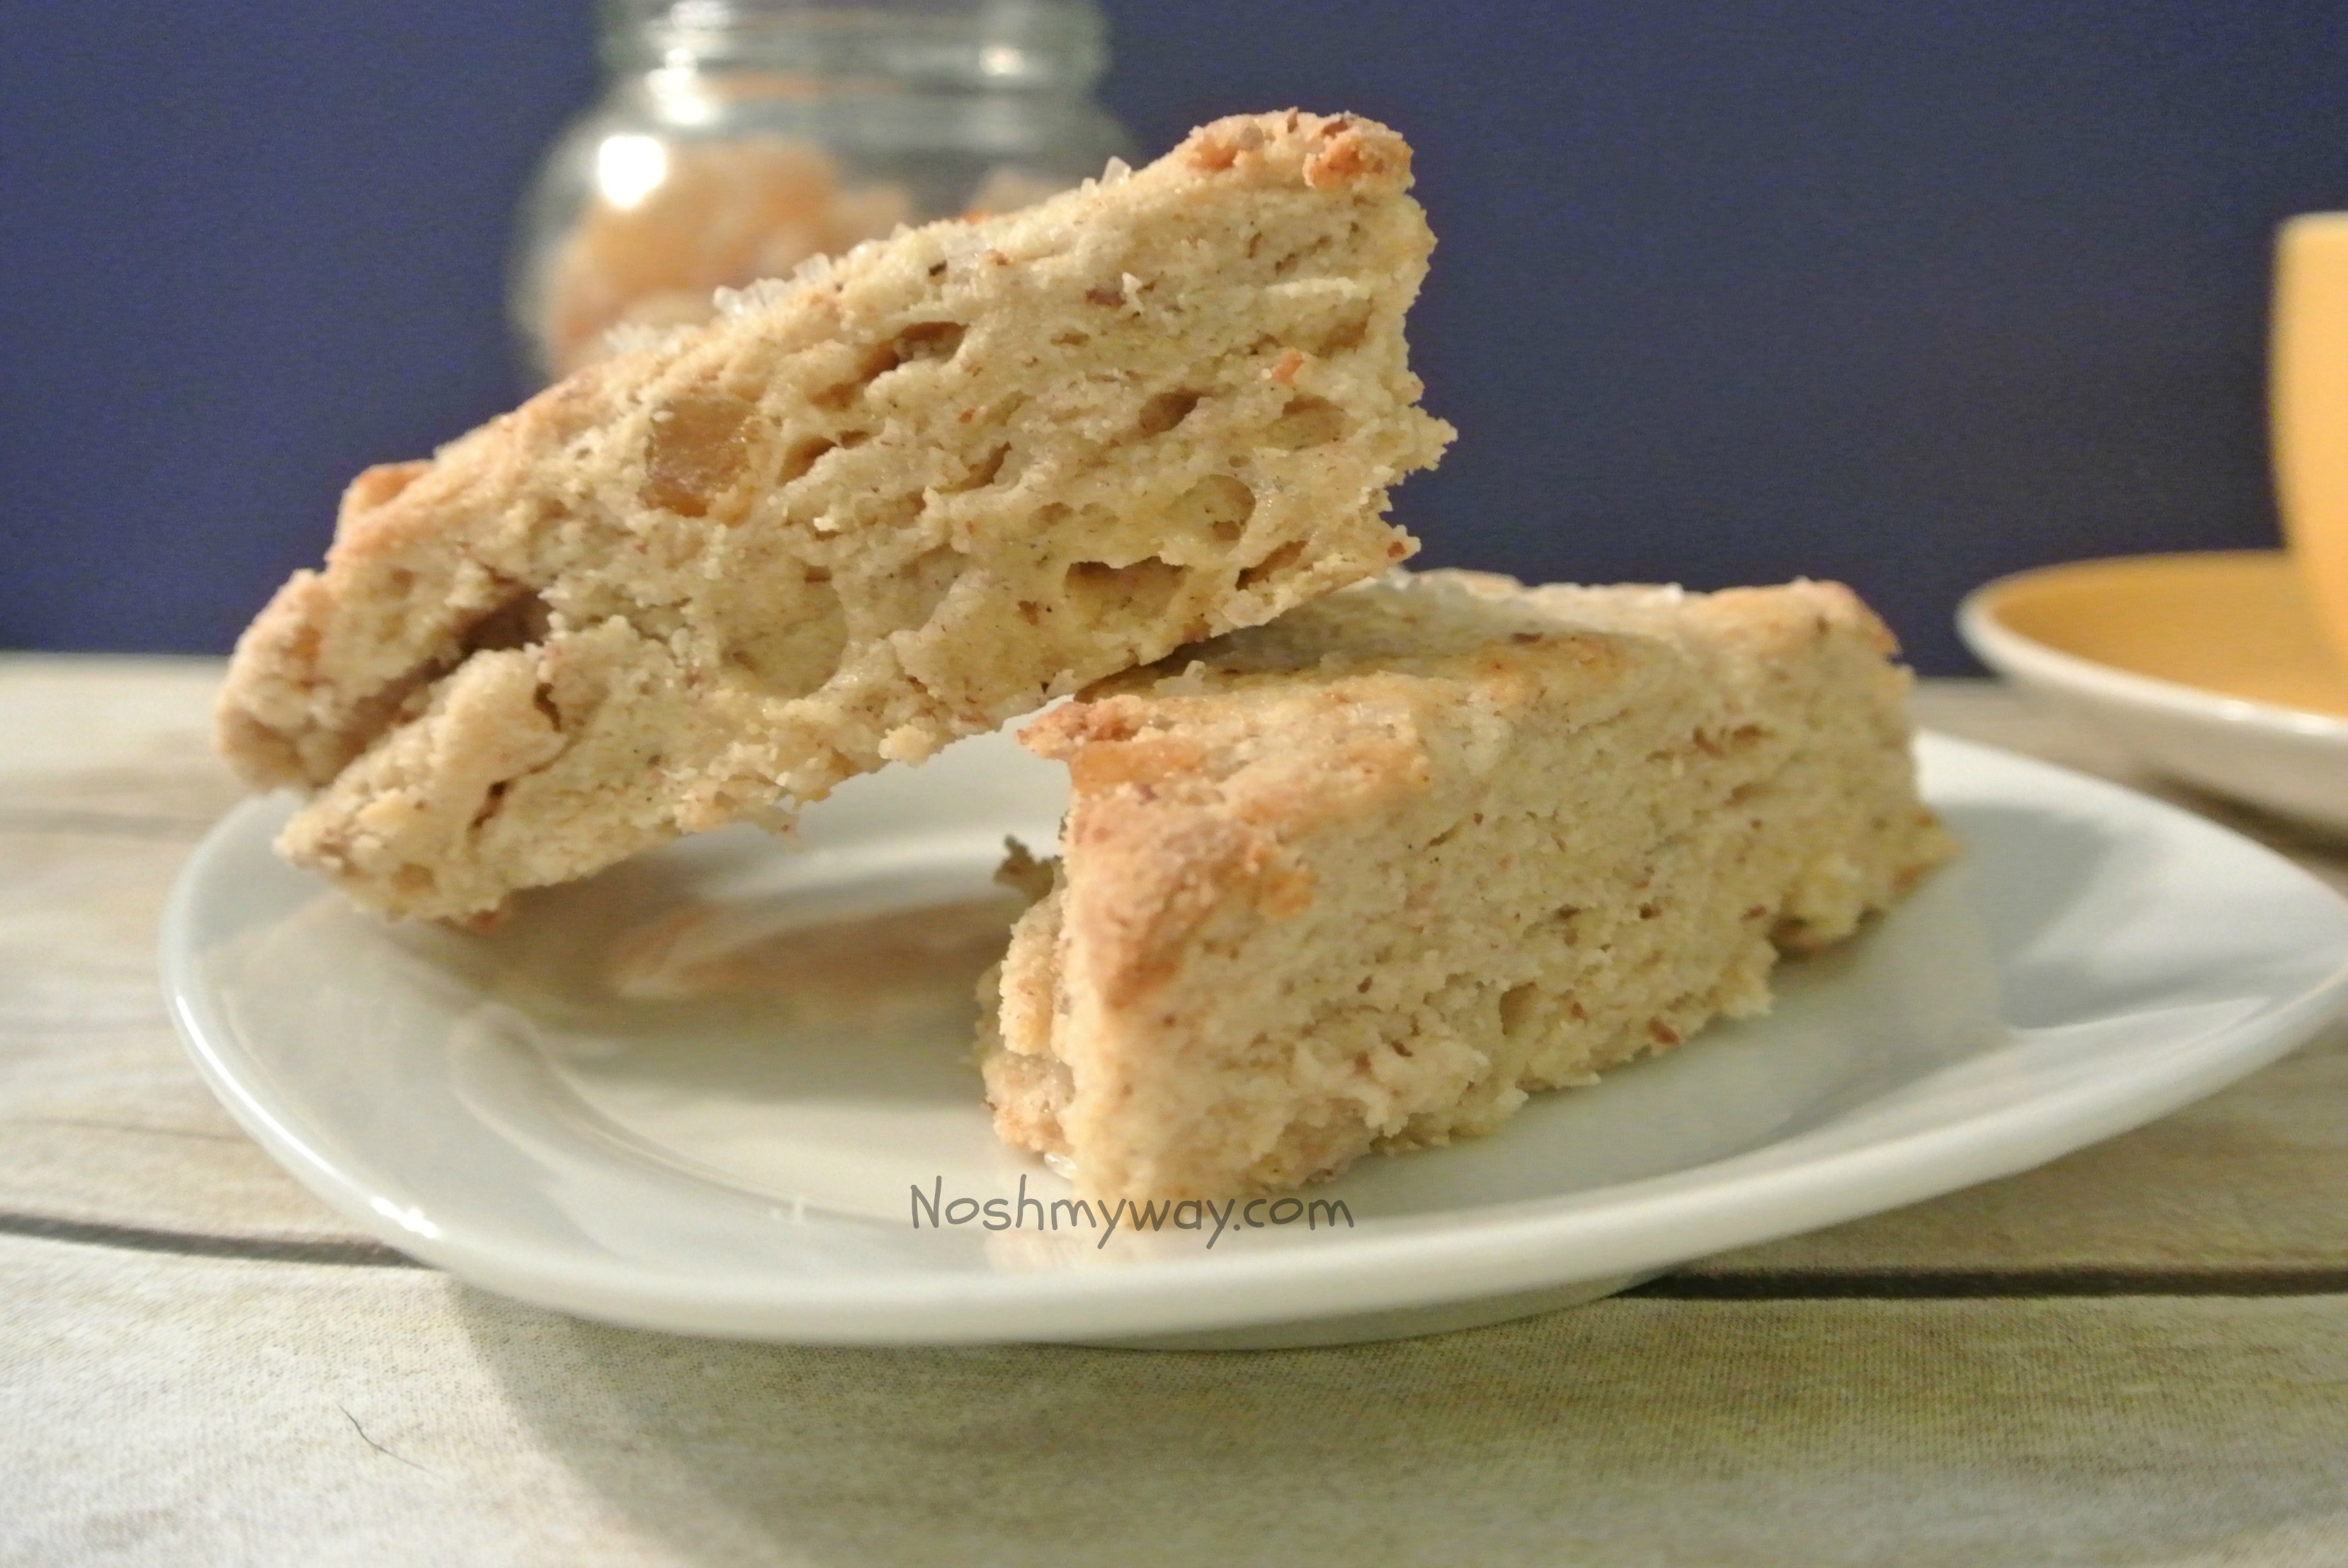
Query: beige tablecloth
<point x="2137" y="1355"/>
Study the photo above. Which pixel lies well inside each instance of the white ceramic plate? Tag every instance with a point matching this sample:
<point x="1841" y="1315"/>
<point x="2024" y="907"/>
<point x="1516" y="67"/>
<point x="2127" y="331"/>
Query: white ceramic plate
<point x="740" y="1164"/>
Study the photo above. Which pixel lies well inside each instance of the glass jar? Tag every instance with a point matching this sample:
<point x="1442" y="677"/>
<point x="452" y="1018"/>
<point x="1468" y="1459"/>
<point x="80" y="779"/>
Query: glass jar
<point x="738" y="137"/>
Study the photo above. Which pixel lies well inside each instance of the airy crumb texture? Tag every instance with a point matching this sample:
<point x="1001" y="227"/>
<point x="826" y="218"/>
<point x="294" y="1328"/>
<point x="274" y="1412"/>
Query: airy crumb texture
<point x="1363" y="878"/>
<point x="896" y="499"/>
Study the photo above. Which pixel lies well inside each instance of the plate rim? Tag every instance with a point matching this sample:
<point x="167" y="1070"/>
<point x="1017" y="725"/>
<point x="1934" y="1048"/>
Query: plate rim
<point x="1525" y="1245"/>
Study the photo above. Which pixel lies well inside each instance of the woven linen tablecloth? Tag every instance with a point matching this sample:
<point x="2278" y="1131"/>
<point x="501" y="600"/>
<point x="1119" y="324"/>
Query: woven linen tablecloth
<point x="2137" y="1355"/>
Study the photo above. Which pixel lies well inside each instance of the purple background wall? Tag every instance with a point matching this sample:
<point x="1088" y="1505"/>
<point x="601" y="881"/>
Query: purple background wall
<point x="1895" y="291"/>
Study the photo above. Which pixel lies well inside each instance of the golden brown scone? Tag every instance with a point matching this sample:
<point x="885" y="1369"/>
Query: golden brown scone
<point x="891" y="501"/>
<point x="1363" y="877"/>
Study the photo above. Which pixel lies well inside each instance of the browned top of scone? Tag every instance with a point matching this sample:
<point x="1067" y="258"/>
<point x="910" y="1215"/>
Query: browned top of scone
<point x="1428" y="642"/>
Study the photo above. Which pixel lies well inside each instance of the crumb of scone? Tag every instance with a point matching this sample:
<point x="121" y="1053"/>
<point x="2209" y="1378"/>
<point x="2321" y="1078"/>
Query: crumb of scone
<point x="895" y="499"/>
<point x="1365" y="877"/>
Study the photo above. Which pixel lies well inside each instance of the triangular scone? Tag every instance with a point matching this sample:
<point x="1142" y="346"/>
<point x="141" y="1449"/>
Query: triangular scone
<point x="890" y="502"/>
<point x="1363" y="877"/>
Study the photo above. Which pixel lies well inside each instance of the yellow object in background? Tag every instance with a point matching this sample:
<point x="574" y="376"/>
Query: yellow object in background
<point x="2233" y="622"/>
<point x="2308" y="408"/>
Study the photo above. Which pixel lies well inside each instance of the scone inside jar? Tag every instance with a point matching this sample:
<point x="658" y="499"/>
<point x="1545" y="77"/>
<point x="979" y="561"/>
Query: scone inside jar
<point x="733" y="143"/>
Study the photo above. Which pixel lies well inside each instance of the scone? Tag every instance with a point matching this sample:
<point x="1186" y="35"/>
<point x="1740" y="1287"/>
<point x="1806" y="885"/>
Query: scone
<point x="893" y="500"/>
<point x="1365" y="877"/>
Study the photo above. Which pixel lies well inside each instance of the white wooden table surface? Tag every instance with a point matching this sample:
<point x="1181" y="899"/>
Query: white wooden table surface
<point x="2136" y="1355"/>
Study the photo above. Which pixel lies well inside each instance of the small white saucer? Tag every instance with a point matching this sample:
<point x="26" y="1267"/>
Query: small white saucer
<point x="747" y="1163"/>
